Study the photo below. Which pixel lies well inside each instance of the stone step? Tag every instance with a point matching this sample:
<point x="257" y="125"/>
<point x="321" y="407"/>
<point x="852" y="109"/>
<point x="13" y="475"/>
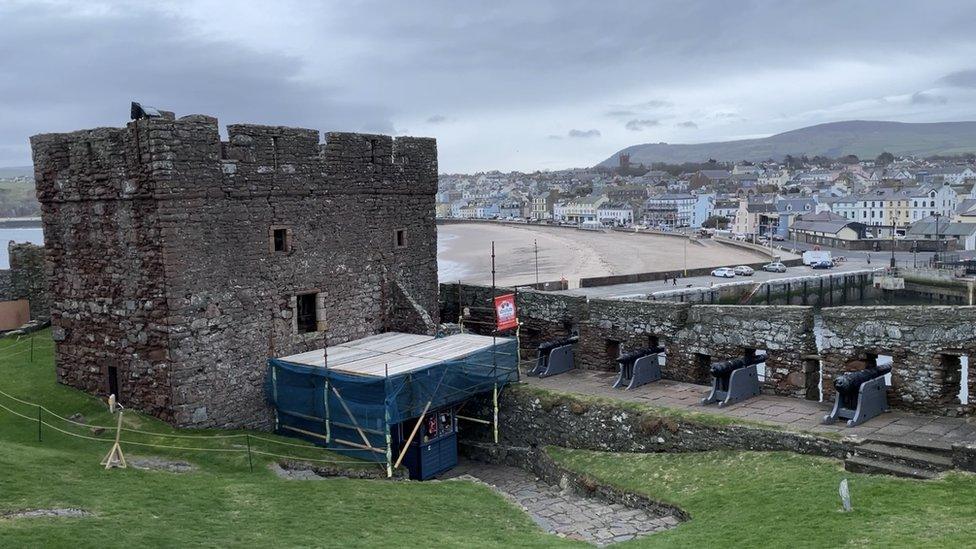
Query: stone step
<point x="913" y="442"/>
<point x="904" y="456"/>
<point x="859" y="464"/>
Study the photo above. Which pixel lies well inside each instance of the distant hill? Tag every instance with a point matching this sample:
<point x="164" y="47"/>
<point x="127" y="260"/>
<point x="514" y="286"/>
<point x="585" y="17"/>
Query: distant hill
<point x="16" y="171"/>
<point x="866" y="139"/>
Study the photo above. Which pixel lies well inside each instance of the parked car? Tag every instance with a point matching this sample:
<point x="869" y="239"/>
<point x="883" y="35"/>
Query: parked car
<point x="724" y="272"/>
<point x="743" y="270"/>
<point x="823" y="265"/>
<point x="774" y="267"/>
<point x="778" y="237"/>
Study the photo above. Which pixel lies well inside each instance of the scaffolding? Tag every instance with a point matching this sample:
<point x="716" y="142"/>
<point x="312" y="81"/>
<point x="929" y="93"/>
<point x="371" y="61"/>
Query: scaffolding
<point x="351" y="396"/>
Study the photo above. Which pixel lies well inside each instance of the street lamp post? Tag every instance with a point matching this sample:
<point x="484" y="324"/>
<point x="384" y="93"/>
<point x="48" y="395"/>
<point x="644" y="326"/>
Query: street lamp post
<point x="892" y="244"/>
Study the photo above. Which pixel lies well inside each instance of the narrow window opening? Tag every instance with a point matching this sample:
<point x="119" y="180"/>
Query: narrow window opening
<point x="279" y="240"/>
<point x="113" y="382"/>
<point x="89" y="152"/>
<point x="400" y="238"/>
<point x="612" y="349"/>
<point x="306" y="313"/>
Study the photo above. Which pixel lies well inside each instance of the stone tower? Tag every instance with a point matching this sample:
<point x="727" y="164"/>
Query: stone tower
<point x="179" y="263"/>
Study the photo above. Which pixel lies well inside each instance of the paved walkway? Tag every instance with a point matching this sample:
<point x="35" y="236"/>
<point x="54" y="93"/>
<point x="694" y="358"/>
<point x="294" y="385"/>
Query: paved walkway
<point x="565" y="514"/>
<point x="792" y="413"/>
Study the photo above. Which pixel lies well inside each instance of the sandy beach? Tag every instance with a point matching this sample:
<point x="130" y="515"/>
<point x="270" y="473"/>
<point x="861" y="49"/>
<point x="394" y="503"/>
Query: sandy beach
<point x="464" y="253"/>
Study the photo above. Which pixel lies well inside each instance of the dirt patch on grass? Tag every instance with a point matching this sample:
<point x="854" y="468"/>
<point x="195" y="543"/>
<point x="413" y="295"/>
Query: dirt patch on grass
<point x="161" y="464"/>
<point x="299" y="470"/>
<point x="56" y="512"/>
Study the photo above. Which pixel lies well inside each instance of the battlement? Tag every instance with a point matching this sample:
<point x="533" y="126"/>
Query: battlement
<point x="168" y="157"/>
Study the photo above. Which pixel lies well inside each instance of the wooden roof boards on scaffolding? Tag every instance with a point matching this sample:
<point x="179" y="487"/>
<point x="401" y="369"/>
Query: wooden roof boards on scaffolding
<point x="392" y="353"/>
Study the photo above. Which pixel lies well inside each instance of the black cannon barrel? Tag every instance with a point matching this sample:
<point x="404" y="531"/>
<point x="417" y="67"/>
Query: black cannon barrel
<point x="547" y="346"/>
<point x="851" y="382"/>
<point x="726" y="367"/>
<point x="639" y="353"/>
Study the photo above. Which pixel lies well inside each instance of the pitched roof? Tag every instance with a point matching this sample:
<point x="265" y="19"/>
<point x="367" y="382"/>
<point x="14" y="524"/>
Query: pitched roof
<point x="824" y="222"/>
<point x="941" y="226"/>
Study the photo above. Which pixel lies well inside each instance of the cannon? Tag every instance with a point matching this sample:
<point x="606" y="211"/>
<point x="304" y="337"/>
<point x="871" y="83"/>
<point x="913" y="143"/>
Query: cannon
<point x="734" y="380"/>
<point x="555" y="357"/>
<point x="861" y="395"/>
<point x="639" y="367"/>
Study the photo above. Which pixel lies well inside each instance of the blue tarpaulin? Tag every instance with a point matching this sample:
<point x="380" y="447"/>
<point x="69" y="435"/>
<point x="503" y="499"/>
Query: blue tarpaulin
<point x="327" y="404"/>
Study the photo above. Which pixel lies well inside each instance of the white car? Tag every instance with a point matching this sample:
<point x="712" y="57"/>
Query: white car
<point x="743" y="270"/>
<point x="724" y="272"/>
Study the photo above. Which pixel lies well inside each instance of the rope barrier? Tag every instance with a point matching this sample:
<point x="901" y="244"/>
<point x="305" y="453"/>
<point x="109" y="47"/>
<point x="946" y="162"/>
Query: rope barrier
<point x="25" y="346"/>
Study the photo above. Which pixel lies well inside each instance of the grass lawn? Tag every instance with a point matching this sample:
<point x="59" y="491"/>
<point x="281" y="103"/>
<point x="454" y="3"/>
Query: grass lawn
<point x="739" y="499"/>
<point x="777" y="499"/>
<point x="220" y="504"/>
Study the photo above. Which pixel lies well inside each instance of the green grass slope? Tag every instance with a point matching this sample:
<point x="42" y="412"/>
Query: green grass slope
<point x="774" y="499"/>
<point x="221" y="504"/>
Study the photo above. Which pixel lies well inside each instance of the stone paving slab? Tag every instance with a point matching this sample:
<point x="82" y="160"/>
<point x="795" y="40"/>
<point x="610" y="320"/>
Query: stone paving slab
<point x="562" y="513"/>
<point x="791" y="413"/>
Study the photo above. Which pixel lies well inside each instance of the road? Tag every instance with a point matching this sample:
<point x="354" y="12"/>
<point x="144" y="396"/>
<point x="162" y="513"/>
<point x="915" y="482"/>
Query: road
<point x="642" y="289"/>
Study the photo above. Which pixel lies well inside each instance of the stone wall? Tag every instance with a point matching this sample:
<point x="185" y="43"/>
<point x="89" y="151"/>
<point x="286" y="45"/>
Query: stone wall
<point x="26" y="279"/>
<point x="924" y="343"/>
<point x="29" y="278"/>
<point x="534" y="418"/>
<point x="165" y="272"/>
<point x="694" y="335"/>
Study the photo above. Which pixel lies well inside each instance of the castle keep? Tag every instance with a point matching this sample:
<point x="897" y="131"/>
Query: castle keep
<point x="179" y="263"/>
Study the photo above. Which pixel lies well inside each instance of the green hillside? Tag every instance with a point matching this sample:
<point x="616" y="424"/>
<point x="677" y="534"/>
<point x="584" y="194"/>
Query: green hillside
<point x="865" y="139"/>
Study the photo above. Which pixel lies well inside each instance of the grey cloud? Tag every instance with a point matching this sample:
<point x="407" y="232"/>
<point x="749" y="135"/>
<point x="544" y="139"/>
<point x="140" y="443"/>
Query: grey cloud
<point x="554" y="137"/>
<point x="960" y="79"/>
<point x="584" y="134"/>
<point x="635" y="109"/>
<point x="77" y="75"/>
<point x="925" y="98"/>
<point x="641" y="125"/>
<point x="319" y="66"/>
<point x="686" y="124"/>
<point x="437" y="119"/>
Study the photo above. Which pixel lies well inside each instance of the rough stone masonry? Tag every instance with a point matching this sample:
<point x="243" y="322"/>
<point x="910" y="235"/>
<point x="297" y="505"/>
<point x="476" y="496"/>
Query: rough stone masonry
<point x="178" y="263"/>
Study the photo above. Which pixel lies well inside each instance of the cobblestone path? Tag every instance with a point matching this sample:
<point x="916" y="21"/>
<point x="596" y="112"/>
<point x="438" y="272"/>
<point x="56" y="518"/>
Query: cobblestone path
<point x="565" y="514"/>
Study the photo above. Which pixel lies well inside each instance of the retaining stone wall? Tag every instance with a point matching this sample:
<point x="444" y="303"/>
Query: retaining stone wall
<point x="534" y="418"/>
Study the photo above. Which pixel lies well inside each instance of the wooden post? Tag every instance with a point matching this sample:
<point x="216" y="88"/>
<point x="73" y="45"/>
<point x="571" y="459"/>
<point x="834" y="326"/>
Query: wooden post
<point x="274" y="392"/>
<point x="115" y="458"/>
<point x="386" y="416"/>
<point x="413" y="433"/>
<point x="494" y="400"/>
<point x="328" y="415"/>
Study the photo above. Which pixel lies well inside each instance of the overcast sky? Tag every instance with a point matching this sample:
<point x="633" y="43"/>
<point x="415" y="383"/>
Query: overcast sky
<point x="502" y="85"/>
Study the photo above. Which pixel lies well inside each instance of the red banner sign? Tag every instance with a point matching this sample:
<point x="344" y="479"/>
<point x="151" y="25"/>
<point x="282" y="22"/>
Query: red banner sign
<point x="505" y="315"/>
